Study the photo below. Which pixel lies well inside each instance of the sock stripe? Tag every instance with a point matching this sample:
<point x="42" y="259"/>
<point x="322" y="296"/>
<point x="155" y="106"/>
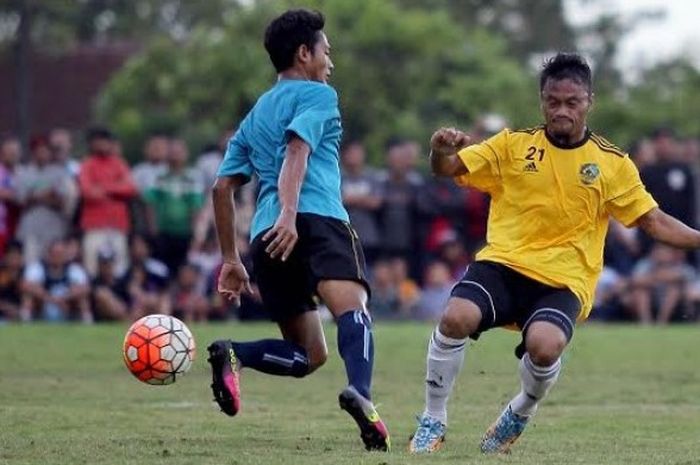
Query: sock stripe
<point x="278" y="360"/>
<point x="447" y="343"/>
<point x="365" y="342"/>
<point x="540" y="372"/>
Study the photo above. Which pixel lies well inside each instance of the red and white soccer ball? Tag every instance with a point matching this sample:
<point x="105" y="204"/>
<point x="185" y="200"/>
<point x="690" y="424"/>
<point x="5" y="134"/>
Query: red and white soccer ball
<point x="158" y="349"/>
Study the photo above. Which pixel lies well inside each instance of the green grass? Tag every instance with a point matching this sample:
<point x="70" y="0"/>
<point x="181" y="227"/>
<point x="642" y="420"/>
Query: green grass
<point x="628" y="395"/>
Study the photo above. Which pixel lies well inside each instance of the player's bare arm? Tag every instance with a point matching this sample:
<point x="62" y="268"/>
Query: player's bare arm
<point x="283" y="235"/>
<point x="444" y="145"/>
<point x="233" y="278"/>
<point x="665" y="228"/>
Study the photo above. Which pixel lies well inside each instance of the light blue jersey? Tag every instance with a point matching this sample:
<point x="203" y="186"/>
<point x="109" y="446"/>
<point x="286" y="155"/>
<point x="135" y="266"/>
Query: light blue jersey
<point x="308" y="109"/>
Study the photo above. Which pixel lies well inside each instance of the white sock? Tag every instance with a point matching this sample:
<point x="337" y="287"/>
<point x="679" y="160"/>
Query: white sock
<point x="445" y="357"/>
<point x="536" y="381"/>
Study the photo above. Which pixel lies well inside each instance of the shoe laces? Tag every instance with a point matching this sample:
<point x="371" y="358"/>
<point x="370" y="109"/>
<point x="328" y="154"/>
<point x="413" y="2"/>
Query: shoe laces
<point x="428" y="430"/>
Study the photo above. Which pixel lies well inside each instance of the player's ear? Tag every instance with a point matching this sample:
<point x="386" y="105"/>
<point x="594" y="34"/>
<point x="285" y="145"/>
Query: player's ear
<point x="303" y="53"/>
<point x="591" y="99"/>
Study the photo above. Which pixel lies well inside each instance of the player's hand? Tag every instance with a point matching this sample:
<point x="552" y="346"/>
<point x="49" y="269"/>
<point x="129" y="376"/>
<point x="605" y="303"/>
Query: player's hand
<point x="233" y="281"/>
<point x="446" y="141"/>
<point x="282" y="237"/>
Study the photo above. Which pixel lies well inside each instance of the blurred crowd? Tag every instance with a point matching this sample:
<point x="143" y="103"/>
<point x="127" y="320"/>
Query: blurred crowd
<point x="90" y="238"/>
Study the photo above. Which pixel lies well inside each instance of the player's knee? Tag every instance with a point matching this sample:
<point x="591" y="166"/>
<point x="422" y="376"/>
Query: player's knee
<point x="545" y="344"/>
<point x="317" y="358"/>
<point x="461" y="319"/>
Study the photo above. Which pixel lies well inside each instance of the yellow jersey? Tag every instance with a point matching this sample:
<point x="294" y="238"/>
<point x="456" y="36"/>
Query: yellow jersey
<point x="550" y="205"/>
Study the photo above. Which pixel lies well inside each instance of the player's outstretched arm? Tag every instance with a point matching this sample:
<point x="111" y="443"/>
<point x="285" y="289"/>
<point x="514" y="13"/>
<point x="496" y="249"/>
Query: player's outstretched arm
<point x="283" y="235"/>
<point x="233" y="277"/>
<point x="444" y="145"/>
<point x="665" y="228"/>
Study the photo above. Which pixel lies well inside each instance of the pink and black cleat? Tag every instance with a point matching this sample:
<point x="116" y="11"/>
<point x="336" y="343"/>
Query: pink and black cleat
<point x="225" y="376"/>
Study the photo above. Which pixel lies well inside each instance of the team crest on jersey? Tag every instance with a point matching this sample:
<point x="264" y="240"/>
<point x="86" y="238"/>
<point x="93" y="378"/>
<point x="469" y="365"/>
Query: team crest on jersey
<point x="589" y="172"/>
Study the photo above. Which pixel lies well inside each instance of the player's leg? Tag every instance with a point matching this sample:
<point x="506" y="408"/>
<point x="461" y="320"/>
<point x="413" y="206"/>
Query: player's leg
<point x="347" y="301"/>
<point x="469" y="311"/>
<point x="337" y="268"/>
<point x="547" y="332"/>
<point x="286" y="293"/>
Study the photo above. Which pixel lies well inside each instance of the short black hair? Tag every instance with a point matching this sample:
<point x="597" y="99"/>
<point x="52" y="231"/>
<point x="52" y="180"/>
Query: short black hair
<point x="289" y="31"/>
<point x="567" y="66"/>
<point x="98" y="132"/>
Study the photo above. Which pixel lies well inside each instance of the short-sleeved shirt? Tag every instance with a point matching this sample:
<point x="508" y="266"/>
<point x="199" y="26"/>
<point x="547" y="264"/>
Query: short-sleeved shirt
<point x="71" y="275"/>
<point x="550" y="205"/>
<point x="308" y="110"/>
<point x="176" y="198"/>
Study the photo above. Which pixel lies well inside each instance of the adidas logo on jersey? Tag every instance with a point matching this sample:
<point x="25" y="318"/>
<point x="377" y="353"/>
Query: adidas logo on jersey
<point x="531" y="168"/>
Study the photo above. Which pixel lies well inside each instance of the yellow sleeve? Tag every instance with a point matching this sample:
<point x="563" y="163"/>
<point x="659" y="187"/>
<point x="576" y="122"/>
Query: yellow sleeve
<point x="627" y="197"/>
<point x="483" y="162"/>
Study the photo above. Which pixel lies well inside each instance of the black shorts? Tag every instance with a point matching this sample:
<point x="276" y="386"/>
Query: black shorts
<point x="327" y="248"/>
<point x="506" y="297"/>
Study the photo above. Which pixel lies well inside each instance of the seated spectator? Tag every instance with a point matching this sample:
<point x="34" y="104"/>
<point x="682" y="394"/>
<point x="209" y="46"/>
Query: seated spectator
<point x="408" y="290"/>
<point x="146" y="280"/>
<point x="436" y="290"/>
<point x="452" y="252"/>
<point x="10" y="282"/>
<point x="611" y="299"/>
<point x="384" y="303"/>
<point x="55" y="289"/>
<point x="658" y="284"/>
<point x="189" y="303"/>
<point x="110" y="295"/>
<point x="207" y="258"/>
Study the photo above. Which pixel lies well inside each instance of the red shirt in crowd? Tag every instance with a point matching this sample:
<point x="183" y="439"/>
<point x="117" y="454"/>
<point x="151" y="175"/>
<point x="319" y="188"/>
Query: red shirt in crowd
<point x="106" y="187"/>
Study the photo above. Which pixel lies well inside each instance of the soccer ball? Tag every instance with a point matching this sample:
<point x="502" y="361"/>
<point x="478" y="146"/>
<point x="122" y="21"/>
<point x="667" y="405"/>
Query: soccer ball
<point x="158" y="349"/>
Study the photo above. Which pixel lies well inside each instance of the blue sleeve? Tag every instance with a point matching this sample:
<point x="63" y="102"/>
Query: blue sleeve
<point x="237" y="159"/>
<point x="318" y="105"/>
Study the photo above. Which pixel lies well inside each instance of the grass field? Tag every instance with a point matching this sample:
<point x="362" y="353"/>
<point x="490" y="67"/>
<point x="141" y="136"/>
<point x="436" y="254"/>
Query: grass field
<point x="628" y="395"/>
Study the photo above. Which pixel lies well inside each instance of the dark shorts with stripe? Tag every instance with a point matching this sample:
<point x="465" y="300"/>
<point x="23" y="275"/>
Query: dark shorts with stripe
<point x="506" y="297"/>
<point x="327" y="248"/>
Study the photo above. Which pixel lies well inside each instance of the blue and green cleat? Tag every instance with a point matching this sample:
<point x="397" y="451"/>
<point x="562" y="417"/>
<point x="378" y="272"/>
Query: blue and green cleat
<point x="428" y="437"/>
<point x="503" y="432"/>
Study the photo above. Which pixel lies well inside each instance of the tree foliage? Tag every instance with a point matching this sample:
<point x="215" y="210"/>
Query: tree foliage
<point x="398" y="71"/>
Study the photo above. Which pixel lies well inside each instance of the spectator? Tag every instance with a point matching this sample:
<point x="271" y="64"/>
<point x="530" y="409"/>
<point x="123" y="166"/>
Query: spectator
<point x="110" y="296"/>
<point x="611" y="301"/>
<point x="189" y="304"/>
<point x="146" y="280"/>
<point x="400" y="187"/>
<point x="384" y="303"/>
<point x="48" y="196"/>
<point x="207" y="165"/>
<point x="207" y="259"/>
<point x="658" y="283"/>
<point x="11" y="267"/>
<point x="55" y="289"/>
<point x="407" y="289"/>
<point x="622" y="248"/>
<point x="453" y="254"/>
<point x="10" y="154"/>
<point x="174" y="202"/>
<point x="106" y="187"/>
<point x="436" y="290"/>
<point x="670" y="180"/>
<point x="61" y="143"/>
<point x="362" y="198"/>
<point x="155" y="163"/>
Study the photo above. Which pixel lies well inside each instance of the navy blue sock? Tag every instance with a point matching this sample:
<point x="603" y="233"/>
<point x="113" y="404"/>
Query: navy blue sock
<point x="356" y="346"/>
<point x="273" y="356"/>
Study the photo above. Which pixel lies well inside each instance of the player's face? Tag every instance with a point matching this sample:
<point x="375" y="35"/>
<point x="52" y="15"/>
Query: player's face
<point x="565" y="104"/>
<point x="320" y="65"/>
